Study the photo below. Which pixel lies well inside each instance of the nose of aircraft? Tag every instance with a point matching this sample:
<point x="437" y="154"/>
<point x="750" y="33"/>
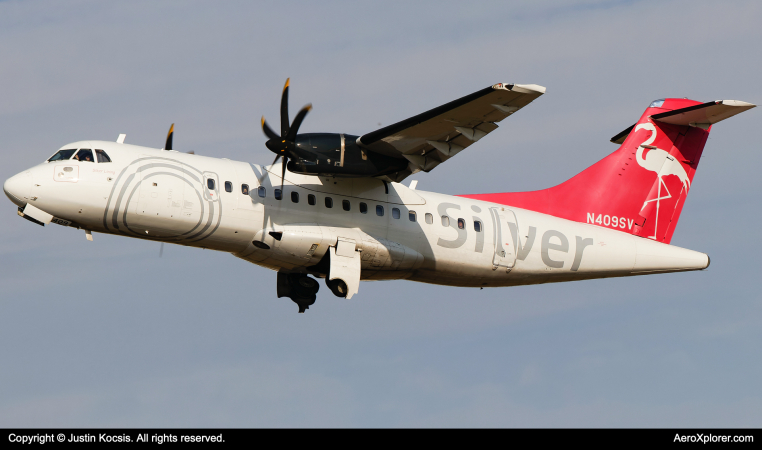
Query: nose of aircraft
<point x="18" y="188"/>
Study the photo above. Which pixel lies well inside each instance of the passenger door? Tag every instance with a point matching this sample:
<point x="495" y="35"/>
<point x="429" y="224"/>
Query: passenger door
<point x="505" y="253"/>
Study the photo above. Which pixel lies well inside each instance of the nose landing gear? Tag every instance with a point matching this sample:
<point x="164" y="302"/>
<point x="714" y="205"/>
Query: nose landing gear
<point x="300" y="288"/>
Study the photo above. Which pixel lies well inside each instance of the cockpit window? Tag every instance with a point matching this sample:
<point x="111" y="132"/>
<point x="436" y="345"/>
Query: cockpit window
<point x="84" y="155"/>
<point x="657" y="103"/>
<point x="102" y="156"/>
<point x="62" y="155"/>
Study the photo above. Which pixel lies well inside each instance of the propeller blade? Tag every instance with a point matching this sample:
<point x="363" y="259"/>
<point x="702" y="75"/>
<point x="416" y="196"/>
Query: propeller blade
<point x="284" y="110"/>
<point x="284" y="144"/>
<point x="283" y="175"/>
<point x="168" y="144"/>
<point x="161" y="250"/>
<point x="264" y="172"/>
<point x="268" y="131"/>
<point x="298" y="122"/>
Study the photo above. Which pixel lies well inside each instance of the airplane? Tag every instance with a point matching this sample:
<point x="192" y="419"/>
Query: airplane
<point x="332" y="205"/>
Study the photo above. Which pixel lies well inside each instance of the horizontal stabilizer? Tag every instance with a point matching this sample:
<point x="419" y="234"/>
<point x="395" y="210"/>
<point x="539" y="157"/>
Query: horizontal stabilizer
<point x="704" y="114"/>
<point x="701" y="116"/>
<point x="619" y="138"/>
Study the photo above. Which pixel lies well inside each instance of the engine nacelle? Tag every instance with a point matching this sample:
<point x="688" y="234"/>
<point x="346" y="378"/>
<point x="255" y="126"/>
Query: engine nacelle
<point x="339" y="155"/>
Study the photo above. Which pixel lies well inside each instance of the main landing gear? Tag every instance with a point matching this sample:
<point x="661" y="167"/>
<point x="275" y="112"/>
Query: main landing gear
<point x="300" y="288"/>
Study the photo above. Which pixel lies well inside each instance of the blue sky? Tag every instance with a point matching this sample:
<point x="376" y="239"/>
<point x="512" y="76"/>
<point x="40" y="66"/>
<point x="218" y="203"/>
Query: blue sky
<point x="106" y="333"/>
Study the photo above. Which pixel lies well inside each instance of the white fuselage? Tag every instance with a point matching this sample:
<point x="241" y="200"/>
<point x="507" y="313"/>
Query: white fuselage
<point x="421" y="236"/>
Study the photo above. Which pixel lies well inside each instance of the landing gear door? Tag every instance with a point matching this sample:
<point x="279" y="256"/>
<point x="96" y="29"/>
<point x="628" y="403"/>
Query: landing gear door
<point x="345" y="265"/>
<point x="505" y="251"/>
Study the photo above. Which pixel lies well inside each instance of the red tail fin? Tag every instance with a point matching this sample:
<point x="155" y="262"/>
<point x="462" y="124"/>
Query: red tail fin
<point x="641" y="187"/>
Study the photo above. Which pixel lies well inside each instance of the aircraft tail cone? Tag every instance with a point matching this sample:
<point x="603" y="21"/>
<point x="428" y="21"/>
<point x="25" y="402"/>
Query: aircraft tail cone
<point x="653" y="256"/>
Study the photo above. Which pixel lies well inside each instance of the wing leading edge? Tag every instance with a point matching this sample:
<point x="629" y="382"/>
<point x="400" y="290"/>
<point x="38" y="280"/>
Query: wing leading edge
<point x="433" y="137"/>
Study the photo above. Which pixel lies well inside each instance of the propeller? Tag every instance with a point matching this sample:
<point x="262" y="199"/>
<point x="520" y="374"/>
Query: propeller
<point x="168" y="146"/>
<point x="170" y="135"/>
<point x="283" y="145"/>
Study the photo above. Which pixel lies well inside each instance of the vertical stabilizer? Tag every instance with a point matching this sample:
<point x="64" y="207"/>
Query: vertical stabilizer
<point x="642" y="186"/>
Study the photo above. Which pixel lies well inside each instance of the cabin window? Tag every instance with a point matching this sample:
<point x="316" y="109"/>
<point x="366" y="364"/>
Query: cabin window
<point x="396" y="213"/>
<point x="295" y="197"/>
<point x="102" y="156"/>
<point x="228" y="186"/>
<point x="261" y="191"/>
<point x="363" y="208"/>
<point x="445" y="221"/>
<point x="84" y="155"/>
<point x="462" y="224"/>
<point x="328" y="202"/>
<point x="379" y="210"/>
<point x="210" y="183"/>
<point x="62" y="155"/>
<point x="278" y="194"/>
<point x="245" y="189"/>
<point x="411" y="216"/>
<point x="345" y="204"/>
<point x="311" y="200"/>
<point x="429" y="218"/>
<point x="477" y="226"/>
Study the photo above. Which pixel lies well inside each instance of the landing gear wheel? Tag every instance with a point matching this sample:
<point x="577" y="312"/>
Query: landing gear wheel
<point x="303" y="304"/>
<point x="338" y="287"/>
<point x="300" y="288"/>
<point x="308" y="284"/>
<point x="303" y="290"/>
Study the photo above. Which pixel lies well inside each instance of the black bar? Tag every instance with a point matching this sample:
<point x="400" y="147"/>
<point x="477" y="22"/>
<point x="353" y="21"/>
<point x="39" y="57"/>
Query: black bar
<point x="221" y="436"/>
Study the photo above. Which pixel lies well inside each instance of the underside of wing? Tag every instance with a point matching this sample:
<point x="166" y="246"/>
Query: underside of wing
<point x="430" y="138"/>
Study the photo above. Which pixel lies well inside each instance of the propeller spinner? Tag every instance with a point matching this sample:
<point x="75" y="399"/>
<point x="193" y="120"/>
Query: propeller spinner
<point x="283" y="145"/>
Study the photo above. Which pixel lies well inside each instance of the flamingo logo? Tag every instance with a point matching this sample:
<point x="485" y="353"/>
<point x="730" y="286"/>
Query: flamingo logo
<point x="662" y="164"/>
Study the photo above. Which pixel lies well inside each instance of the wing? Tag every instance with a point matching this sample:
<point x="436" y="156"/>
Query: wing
<point x="430" y="138"/>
